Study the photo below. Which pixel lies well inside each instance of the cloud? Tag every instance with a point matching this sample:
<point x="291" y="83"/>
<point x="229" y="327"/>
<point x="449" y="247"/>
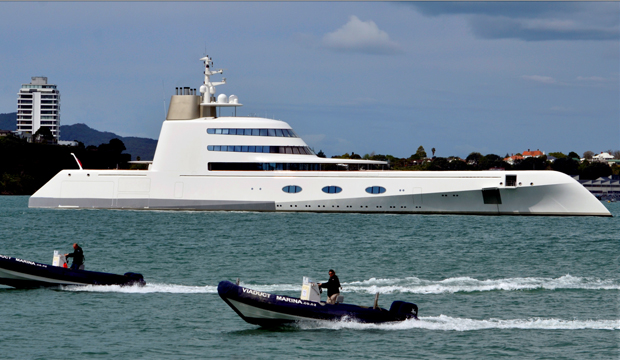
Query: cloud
<point x="533" y="21"/>
<point x="540" y="79"/>
<point x="361" y="37"/>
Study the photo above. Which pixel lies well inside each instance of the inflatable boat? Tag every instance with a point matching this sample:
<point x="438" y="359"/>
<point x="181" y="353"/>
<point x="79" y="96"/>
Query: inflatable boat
<point x="267" y="310"/>
<point x="21" y="274"/>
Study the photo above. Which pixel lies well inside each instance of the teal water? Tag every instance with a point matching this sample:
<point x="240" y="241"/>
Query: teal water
<point x="486" y="287"/>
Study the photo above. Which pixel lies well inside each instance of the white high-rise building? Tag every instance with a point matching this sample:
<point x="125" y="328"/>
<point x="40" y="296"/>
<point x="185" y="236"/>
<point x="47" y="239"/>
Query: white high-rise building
<point x="38" y="105"/>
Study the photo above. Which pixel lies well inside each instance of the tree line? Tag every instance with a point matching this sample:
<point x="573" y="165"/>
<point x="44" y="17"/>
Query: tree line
<point x="569" y="164"/>
<point x="25" y="167"/>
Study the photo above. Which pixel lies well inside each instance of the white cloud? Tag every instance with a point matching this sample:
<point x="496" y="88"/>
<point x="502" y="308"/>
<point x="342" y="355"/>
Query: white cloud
<point x="540" y="79"/>
<point x="361" y="36"/>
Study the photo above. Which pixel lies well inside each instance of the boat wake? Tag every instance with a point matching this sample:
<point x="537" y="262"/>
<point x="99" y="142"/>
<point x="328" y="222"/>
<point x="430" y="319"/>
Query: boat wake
<point x="466" y="284"/>
<point x="147" y="289"/>
<point x="411" y="285"/>
<point x="447" y="323"/>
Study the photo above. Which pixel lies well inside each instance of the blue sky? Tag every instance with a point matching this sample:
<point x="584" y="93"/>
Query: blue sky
<point x="492" y="77"/>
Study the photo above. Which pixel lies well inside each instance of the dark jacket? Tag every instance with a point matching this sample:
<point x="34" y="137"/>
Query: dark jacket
<point x="332" y="285"/>
<point x="78" y="256"/>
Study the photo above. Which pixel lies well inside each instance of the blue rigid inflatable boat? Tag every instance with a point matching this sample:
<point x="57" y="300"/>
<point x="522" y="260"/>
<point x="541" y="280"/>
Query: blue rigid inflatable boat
<point x="268" y="310"/>
<point x="21" y="274"/>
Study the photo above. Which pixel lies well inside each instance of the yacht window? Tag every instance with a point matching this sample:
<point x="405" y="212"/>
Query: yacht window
<point x="332" y="189"/>
<point x="511" y="180"/>
<point x="301" y="150"/>
<point x="291" y="189"/>
<point x="254" y="132"/>
<point x="375" y="190"/>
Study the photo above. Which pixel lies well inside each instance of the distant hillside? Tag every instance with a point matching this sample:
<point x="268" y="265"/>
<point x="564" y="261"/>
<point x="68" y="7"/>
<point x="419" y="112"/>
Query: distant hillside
<point x="136" y="146"/>
<point x="8" y="121"/>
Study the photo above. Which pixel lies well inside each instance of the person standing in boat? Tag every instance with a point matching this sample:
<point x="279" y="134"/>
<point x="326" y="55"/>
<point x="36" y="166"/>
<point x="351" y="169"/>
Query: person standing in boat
<point x="78" y="257"/>
<point x="333" y="287"/>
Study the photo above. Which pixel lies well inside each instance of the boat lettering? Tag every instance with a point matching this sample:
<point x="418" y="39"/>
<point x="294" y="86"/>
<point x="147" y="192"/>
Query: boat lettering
<point x="257" y="293"/>
<point x="294" y="301"/>
<point x="30" y="262"/>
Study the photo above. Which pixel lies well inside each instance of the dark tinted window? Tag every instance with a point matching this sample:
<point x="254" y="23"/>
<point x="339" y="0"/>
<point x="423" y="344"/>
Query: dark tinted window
<point x="375" y="190"/>
<point x="293" y="189"/>
<point x="332" y="189"/>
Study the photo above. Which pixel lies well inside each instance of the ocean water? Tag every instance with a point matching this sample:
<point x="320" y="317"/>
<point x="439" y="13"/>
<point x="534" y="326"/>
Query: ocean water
<point x="486" y="286"/>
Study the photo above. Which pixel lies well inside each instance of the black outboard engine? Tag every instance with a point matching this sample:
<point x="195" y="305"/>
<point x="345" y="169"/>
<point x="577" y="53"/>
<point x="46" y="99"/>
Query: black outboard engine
<point x="403" y="310"/>
<point x="135" y="279"/>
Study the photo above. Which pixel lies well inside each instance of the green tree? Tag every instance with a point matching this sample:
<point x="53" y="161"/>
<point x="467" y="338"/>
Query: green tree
<point x="419" y="154"/>
<point x="573" y="155"/>
<point x="557" y="155"/>
<point x="44" y="133"/>
<point x="473" y="157"/>
<point x="594" y="170"/>
<point x="566" y="165"/>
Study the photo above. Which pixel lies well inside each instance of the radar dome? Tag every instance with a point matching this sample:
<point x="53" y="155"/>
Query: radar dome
<point x="222" y="99"/>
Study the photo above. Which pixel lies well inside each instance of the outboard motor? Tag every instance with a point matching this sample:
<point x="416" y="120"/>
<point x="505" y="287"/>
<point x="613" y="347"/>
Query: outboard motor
<point x="135" y="279"/>
<point x="404" y="310"/>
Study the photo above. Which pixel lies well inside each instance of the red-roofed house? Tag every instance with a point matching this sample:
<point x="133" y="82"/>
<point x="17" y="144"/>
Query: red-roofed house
<point x="528" y="153"/>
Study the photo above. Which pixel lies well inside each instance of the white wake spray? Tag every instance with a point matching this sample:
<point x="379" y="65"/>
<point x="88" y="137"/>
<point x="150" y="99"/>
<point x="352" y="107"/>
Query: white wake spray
<point x="147" y="289"/>
<point x="447" y="323"/>
<point x="467" y="284"/>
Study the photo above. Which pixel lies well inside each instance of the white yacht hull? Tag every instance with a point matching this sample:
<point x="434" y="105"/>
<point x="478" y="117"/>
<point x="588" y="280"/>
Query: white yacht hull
<point x="539" y="192"/>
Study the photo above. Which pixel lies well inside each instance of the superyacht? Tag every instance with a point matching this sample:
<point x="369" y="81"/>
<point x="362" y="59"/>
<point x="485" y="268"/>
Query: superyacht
<point x="204" y="161"/>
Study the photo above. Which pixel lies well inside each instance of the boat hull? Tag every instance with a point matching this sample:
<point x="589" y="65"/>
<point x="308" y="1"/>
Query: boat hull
<point x="463" y="193"/>
<point x="266" y="309"/>
<point x="21" y="273"/>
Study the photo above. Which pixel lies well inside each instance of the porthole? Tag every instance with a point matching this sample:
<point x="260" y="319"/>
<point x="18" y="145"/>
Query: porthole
<point x="375" y="190"/>
<point x="332" y="189"/>
<point x="291" y="189"/>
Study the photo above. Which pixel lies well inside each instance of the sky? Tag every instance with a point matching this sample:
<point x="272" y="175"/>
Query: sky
<point x="384" y="77"/>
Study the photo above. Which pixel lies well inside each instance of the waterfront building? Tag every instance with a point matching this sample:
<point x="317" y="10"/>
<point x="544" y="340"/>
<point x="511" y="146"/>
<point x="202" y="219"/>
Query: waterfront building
<point x="607" y="187"/>
<point x="38" y="105"/>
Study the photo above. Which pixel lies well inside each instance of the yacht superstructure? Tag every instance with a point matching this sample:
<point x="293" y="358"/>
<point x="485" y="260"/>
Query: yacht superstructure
<point x="208" y="162"/>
